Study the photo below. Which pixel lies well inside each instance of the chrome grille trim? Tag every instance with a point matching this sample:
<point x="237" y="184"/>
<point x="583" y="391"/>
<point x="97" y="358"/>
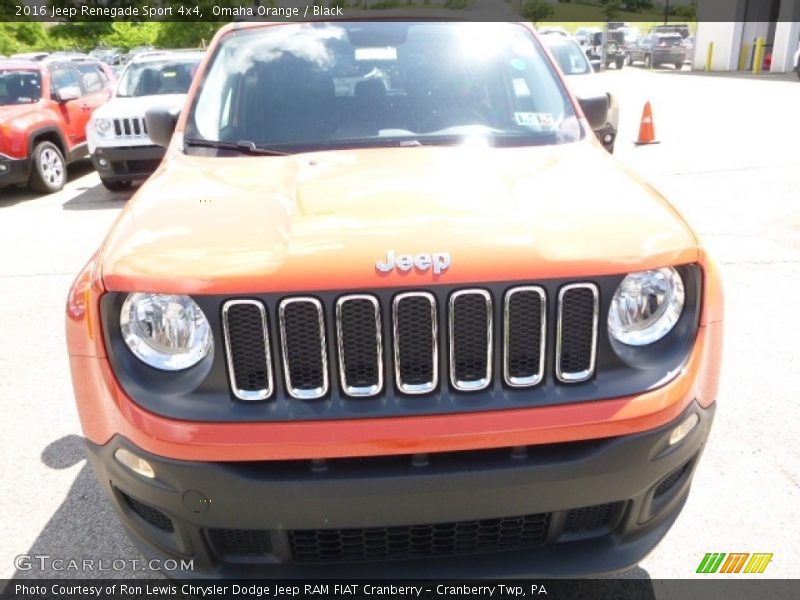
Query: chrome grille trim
<point x="130" y="127"/>
<point x="373" y="390"/>
<point x="291" y="390"/>
<point x="431" y="385"/>
<point x="577" y="376"/>
<point x="241" y="394"/>
<point x="476" y="384"/>
<point x="537" y="377"/>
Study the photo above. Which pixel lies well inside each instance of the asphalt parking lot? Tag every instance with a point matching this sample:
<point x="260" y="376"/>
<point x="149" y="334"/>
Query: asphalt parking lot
<point x="727" y="159"/>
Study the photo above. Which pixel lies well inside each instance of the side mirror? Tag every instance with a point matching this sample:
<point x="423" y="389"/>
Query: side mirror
<point x="595" y="109"/>
<point x="161" y="122"/>
<point x="67" y="93"/>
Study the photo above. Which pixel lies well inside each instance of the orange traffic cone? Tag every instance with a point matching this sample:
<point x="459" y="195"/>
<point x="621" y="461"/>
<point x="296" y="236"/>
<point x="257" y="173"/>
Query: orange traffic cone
<point x="647" y="131"/>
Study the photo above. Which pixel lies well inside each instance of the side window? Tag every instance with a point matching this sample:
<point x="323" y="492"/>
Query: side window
<point x="91" y="78"/>
<point x="62" y="77"/>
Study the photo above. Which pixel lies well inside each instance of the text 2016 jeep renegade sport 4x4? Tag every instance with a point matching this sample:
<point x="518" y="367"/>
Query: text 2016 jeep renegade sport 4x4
<point x="375" y="308"/>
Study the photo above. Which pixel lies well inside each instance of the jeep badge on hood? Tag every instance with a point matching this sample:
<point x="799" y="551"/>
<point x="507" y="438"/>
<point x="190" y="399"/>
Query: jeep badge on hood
<point x="405" y="262"/>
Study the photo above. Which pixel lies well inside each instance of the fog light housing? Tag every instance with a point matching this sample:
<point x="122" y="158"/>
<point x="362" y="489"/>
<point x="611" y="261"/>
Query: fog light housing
<point x="135" y="463"/>
<point x="102" y="162"/>
<point x="607" y="138"/>
<point x="684" y="429"/>
<point x="3" y="168"/>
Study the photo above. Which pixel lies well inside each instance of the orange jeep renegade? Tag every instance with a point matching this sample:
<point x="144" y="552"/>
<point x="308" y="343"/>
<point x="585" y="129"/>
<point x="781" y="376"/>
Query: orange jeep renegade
<point x="388" y="308"/>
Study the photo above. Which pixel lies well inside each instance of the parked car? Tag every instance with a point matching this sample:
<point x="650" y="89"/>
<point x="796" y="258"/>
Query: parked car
<point x="654" y="50"/>
<point x="44" y="108"/>
<point x="110" y="56"/>
<point x="582" y="79"/>
<point x="614" y="42"/>
<point x="421" y="325"/>
<point x="559" y="31"/>
<point x="582" y="34"/>
<point x="681" y="29"/>
<point x="30" y="55"/>
<point x="120" y="147"/>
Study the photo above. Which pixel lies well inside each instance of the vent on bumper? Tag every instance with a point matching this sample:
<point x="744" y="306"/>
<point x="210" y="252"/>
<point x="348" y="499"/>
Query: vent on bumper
<point x="413" y="541"/>
<point x="240" y="542"/>
<point x="151" y="515"/>
<point x="404" y="341"/>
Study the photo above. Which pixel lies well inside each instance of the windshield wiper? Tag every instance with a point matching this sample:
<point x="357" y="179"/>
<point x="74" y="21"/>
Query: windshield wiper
<point x="243" y="146"/>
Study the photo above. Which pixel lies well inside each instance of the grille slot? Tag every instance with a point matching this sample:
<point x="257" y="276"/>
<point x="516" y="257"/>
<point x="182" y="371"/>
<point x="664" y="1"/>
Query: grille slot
<point x="305" y="358"/>
<point x="576" y="336"/>
<point x="152" y="515"/>
<point x="590" y="518"/>
<point x="358" y="329"/>
<point x="241" y="542"/>
<point x="524" y="330"/>
<point x="247" y="349"/>
<point x="470" y="320"/>
<point x="428" y="540"/>
<point x="416" y="351"/>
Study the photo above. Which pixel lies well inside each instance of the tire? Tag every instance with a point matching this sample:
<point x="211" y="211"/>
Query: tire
<point x="679" y="66"/>
<point x="117" y="186"/>
<point x="648" y="62"/>
<point x="619" y="63"/>
<point x="797" y="70"/>
<point x="629" y="59"/>
<point x="48" y="171"/>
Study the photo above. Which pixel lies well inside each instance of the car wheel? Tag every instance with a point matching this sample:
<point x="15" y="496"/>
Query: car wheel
<point x="648" y="62"/>
<point x="628" y="59"/>
<point x="49" y="170"/>
<point x="117" y="186"/>
<point x="679" y="66"/>
<point x="619" y="63"/>
<point x="797" y="70"/>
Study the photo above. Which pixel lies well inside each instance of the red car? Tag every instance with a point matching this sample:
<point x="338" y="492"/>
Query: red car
<point x="44" y="108"/>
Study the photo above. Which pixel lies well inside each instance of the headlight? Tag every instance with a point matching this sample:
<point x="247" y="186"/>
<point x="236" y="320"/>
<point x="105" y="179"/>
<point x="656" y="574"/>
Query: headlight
<point x="165" y="331"/>
<point x="646" y="306"/>
<point x="102" y="126"/>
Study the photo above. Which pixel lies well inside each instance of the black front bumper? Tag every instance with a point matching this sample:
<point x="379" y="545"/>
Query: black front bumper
<point x="13" y="171"/>
<point x="558" y="510"/>
<point x="127" y="163"/>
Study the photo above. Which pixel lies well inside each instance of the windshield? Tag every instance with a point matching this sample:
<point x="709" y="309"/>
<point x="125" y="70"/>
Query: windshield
<point x="153" y="78"/>
<point x="570" y="58"/>
<point x="302" y="86"/>
<point x="20" y="87"/>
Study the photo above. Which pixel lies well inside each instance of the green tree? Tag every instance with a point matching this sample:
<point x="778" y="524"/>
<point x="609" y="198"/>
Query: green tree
<point x="537" y="10"/>
<point x="22" y="36"/>
<point x="611" y="9"/>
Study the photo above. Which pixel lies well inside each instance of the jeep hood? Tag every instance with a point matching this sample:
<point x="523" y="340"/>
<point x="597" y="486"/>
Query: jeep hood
<point x="321" y="220"/>
<point x="122" y="107"/>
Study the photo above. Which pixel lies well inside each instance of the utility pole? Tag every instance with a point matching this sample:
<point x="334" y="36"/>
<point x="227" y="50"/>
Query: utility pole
<point x="666" y="12"/>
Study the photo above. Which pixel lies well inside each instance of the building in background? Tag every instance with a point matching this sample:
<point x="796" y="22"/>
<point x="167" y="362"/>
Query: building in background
<point x="734" y="26"/>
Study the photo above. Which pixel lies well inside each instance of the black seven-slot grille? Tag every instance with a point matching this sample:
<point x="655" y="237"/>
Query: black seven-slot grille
<point x="415" y="345"/>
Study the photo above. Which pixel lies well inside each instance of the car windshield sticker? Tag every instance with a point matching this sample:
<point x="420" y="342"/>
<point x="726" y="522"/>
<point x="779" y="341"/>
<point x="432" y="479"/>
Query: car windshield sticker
<point x="387" y="53"/>
<point x="537" y="120"/>
<point x="518" y="64"/>
<point x="521" y="88"/>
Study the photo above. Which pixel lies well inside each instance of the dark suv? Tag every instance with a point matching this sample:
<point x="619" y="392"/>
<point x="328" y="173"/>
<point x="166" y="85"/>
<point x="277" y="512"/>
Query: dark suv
<point x="656" y="49"/>
<point x="44" y="108"/>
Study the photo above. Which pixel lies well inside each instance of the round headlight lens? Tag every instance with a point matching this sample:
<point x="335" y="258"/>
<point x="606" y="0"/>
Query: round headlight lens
<point x="167" y="332"/>
<point x="646" y="306"/>
<point x="102" y="126"/>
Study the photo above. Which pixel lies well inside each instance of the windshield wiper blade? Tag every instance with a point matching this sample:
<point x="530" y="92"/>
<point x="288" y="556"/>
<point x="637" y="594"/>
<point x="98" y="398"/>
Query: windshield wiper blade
<point x="244" y="146"/>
